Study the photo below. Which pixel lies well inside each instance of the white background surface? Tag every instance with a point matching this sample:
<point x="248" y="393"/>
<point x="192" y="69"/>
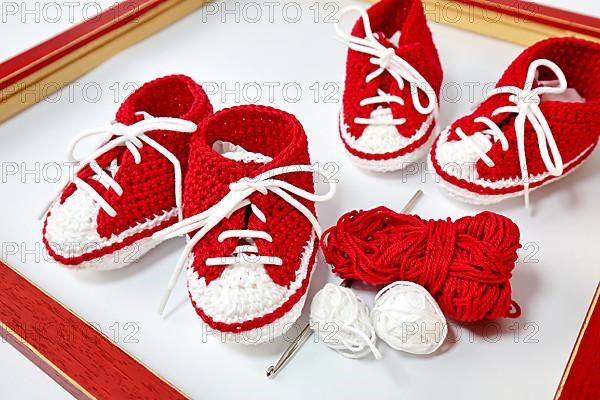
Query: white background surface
<point x="233" y="57"/>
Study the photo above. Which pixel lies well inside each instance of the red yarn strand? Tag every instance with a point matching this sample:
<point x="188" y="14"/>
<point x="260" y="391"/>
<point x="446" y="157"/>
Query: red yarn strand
<point x="466" y="265"/>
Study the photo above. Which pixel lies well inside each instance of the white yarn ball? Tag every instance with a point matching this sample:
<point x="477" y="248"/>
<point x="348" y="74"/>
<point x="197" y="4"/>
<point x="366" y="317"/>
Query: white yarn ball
<point x="407" y="318"/>
<point x="341" y="320"/>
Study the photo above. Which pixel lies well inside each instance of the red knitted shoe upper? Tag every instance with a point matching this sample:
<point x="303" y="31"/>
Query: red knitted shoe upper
<point x="257" y="129"/>
<point x="415" y="46"/>
<point x="148" y="187"/>
<point x="574" y="125"/>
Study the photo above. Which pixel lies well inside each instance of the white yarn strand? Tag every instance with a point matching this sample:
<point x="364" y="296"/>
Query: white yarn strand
<point x="407" y="318"/>
<point x="341" y="320"/>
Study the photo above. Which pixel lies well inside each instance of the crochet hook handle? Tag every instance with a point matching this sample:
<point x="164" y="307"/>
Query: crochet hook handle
<point x="306" y="333"/>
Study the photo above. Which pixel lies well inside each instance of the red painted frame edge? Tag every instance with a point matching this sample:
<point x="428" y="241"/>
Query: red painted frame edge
<point x="79" y="357"/>
<point x="47" y="52"/>
<point x="534" y="12"/>
<point x="581" y="379"/>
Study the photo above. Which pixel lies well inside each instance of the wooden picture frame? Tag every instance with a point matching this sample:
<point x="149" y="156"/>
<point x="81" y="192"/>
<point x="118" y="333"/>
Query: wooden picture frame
<point x="79" y="357"/>
<point x="76" y="355"/>
<point x="516" y="21"/>
<point x="40" y="71"/>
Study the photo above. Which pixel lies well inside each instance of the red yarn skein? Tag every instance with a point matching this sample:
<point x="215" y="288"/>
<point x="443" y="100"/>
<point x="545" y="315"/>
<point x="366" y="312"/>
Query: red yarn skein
<point x="466" y="265"/>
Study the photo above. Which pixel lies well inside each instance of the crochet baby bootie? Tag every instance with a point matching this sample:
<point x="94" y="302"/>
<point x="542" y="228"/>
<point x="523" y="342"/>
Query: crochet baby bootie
<point x="250" y="217"/>
<point x="538" y="124"/>
<point x="393" y="78"/>
<point x="130" y="186"/>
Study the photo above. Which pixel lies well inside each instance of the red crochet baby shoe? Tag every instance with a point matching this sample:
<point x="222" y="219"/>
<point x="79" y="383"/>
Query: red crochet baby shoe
<point x="393" y="78"/>
<point x="130" y="186"/>
<point x="249" y="211"/>
<point x="538" y="124"/>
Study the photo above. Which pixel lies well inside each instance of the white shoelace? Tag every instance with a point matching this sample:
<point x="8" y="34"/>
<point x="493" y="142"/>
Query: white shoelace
<point x="386" y="59"/>
<point x="526" y="106"/>
<point x="133" y="137"/>
<point x="236" y="199"/>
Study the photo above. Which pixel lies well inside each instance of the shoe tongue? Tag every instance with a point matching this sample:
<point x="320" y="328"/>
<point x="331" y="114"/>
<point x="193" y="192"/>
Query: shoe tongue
<point x="570" y="95"/>
<point x="238" y="153"/>
<point x="392" y="41"/>
<point x="127" y="113"/>
<point x="384" y="81"/>
<point x="246" y="158"/>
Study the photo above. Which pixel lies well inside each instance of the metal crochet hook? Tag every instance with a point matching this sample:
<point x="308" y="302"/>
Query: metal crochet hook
<point x="306" y="333"/>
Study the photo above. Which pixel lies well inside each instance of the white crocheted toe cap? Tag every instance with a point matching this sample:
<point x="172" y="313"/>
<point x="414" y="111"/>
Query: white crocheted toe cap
<point x="244" y="292"/>
<point x="384" y="140"/>
<point x="71" y="227"/>
<point x="377" y="139"/>
<point x="381" y="139"/>
<point x="72" y="231"/>
<point x="459" y="157"/>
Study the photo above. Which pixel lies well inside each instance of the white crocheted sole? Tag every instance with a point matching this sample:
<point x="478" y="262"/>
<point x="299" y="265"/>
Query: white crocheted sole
<point x="460" y="155"/>
<point x="392" y="164"/>
<point x="469" y="197"/>
<point x="71" y="231"/>
<point x="118" y="259"/>
<point x="389" y="164"/>
<point x="273" y="330"/>
<point x="269" y="332"/>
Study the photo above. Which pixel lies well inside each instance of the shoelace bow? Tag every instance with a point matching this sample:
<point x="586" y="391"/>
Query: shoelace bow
<point x="133" y="137"/>
<point x="386" y="59"/>
<point x="526" y="105"/>
<point x="235" y="199"/>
